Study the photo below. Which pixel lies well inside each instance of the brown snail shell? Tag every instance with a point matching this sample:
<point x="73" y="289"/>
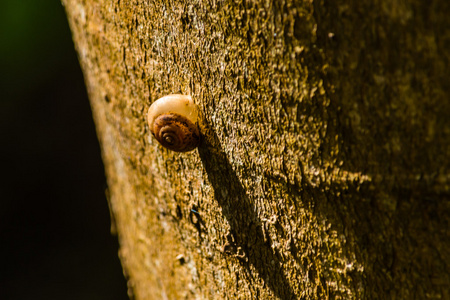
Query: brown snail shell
<point x="173" y="121"/>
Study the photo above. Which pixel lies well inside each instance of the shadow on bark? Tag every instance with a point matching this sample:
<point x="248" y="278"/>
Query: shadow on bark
<point x="246" y="240"/>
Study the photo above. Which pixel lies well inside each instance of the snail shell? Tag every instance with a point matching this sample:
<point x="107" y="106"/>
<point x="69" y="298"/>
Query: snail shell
<point x="173" y="121"/>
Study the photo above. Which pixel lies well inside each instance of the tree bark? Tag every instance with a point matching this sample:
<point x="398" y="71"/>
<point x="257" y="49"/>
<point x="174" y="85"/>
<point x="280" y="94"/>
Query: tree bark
<point x="323" y="170"/>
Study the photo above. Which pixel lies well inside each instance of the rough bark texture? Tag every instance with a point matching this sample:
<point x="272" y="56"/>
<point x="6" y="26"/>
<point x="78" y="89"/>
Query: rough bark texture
<point x="323" y="170"/>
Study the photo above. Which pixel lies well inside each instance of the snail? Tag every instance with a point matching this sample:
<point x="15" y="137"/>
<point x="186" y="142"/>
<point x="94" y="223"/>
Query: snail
<point x="173" y="121"/>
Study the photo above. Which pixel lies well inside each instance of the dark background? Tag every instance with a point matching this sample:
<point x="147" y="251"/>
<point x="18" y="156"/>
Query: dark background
<point x="55" y="240"/>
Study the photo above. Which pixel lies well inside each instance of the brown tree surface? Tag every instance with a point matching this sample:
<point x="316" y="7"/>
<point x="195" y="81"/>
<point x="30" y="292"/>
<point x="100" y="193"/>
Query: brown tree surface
<point x="324" y="166"/>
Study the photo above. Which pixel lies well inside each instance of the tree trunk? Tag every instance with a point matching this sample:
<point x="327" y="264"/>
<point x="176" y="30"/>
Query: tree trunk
<point x="323" y="170"/>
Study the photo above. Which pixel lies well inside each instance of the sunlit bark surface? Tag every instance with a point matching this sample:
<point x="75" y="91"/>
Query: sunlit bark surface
<point x="323" y="170"/>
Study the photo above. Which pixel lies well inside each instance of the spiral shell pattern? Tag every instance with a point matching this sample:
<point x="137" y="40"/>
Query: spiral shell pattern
<point x="175" y="132"/>
<point x="173" y="121"/>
